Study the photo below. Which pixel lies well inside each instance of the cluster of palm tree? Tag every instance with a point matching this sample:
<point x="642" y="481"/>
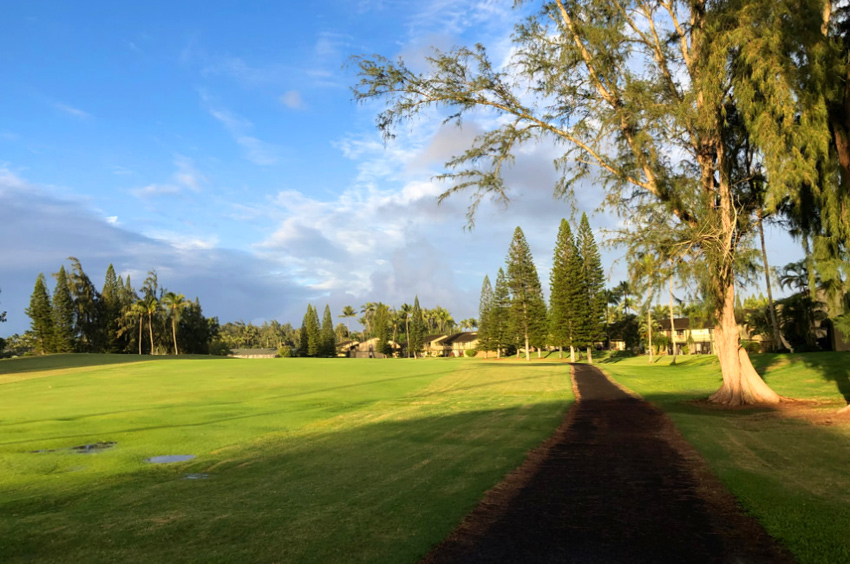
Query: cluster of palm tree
<point x="437" y="319"/>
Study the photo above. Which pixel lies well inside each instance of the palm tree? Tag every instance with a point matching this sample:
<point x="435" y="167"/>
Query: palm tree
<point x="174" y="303"/>
<point x="151" y="305"/>
<point x="624" y="290"/>
<point x="134" y="311"/>
<point x="368" y="311"/>
<point x="348" y="312"/>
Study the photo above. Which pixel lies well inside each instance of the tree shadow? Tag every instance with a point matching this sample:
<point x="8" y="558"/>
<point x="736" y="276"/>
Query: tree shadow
<point x="831" y="367"/>
<point x="22" y="365"/>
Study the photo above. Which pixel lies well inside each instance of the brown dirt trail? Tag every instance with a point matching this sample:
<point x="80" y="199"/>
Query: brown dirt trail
<point x="616" y="483"/>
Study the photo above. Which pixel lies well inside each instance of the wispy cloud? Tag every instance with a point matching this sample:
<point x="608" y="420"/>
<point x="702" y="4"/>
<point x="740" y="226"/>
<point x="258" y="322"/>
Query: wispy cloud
<point x="71" y="111"/>
<point x="186" y="177"/>
<point x="255" y="150"/>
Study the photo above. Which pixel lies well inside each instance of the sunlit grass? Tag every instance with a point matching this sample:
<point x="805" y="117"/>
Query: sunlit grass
<point x="308" y="460"/>
<point x="789" y="473"/>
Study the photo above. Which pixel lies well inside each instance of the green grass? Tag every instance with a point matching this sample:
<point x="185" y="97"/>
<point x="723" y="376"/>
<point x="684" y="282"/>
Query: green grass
<point x="308" y="460"/>
<point x="792" y="475"/>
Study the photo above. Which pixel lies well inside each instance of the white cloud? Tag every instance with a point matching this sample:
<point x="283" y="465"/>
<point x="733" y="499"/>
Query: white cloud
<point x="292" y="99"/>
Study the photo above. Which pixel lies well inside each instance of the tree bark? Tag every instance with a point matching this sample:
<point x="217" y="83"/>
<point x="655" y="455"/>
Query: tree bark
<point x="174" y="334"/>
<point x="150" y="328"/>
<point x="141" y="325"/>
<point x="527" y="354"/>
<point x="589" y="355"/>
<point x="572" y="353"/>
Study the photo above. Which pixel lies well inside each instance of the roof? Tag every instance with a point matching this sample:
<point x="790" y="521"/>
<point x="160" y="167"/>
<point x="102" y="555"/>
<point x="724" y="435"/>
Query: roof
<point x="680" y="323"/>
<point x="435" y="337"/>
<point x="466" y="337"/>
<point x="253" y="352"/>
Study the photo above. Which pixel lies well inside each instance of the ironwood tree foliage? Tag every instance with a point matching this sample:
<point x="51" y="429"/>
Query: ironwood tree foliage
<point x="527" y="318"/>
<point x="636" y="94"/>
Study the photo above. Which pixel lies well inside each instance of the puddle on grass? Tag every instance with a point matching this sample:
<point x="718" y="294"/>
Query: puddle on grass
<point x="196" y="476"/>
<point x="82" y="449"/>
<point x="94" y="447"/>
<point x="170" y="458"/>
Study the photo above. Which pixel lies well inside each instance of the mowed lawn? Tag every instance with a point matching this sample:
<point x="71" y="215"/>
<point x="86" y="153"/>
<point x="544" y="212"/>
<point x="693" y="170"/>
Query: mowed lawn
<point x="297" y="460"/>
<point x="790" y="472"/>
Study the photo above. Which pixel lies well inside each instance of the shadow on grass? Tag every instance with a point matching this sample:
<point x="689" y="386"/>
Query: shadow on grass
<point x="380" y="492"/>
<point x="79" y="360"/>
<point x="831" y="366"/>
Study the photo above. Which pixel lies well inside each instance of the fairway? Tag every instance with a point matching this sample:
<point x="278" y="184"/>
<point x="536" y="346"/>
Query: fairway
<point x="296" y="460"/>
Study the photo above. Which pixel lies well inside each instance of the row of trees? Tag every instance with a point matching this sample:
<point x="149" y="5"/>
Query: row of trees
<point x="513" y="314"/>
<point x="76" y="317"/>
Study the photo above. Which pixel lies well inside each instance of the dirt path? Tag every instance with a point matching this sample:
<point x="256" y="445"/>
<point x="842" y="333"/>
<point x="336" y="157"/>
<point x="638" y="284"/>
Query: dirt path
<point x="616" y="483"/>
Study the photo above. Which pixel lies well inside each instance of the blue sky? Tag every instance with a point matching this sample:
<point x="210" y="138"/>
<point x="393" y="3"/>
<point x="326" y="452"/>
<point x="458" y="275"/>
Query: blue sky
<point x="218" y="143"/>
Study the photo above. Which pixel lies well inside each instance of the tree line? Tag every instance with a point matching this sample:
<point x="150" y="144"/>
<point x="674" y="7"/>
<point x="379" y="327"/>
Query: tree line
<point x="76" y="317"/>
<point x="513" y="315"/>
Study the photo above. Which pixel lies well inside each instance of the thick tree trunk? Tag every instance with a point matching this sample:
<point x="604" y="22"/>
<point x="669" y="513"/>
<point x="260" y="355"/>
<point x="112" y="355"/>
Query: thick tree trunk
<point x="742" y="385"/>
<point x="572" y="353"/>
<point x="561" y="351"/>
<point x="589" y="355"/>
<point x="527" y="354"/>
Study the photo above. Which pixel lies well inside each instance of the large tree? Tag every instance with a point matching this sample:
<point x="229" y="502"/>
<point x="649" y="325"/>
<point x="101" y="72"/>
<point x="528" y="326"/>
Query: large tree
<point x="593" y="277"/>
<point x="636" y="93"/>
<point x="327" y="337"/>
<point x="568" y="305"/>
<point x="485" y="302"/>
<point x="110" y="297"/>
<point x="41" y="314"/>
<point x="88" y="318"/>
<point x="63" y="314"/>
<point x="417" y="328"/>
<point x="527" y="309"/>
<point x="499" y="315"/>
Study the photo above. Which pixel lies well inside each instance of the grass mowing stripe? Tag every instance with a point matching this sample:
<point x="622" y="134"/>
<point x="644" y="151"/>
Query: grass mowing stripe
<point x="359" y="461"/>
<point x="789" y="473"/>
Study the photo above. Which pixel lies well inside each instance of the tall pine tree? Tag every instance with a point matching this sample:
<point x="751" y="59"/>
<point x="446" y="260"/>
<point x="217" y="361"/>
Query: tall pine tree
<point x="63" y="314"/>
<point x="594" y="280"/>
<point x="485" y="341"/>
<point x="314" y="334"/>
<point x="417" y="329"/>
<point x="499" y="315"/>
<point x="328" y="337"/>
<point x="528" y="309"/>
<point x="111" y="308"/>
<point x="87" y="310"/>
<point x="41" y="314"/>
<point x="567" y="293"/>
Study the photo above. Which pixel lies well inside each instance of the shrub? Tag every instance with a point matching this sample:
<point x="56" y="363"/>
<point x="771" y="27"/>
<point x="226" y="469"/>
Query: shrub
<point x="752" y="347"/>
<point x="284" y="352"/>
<point x="470" y="353"/>
<point x="219" y="348"/>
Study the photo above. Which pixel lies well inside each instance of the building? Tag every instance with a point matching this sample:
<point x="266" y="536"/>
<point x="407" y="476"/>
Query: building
<point x="696" y="340"/>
